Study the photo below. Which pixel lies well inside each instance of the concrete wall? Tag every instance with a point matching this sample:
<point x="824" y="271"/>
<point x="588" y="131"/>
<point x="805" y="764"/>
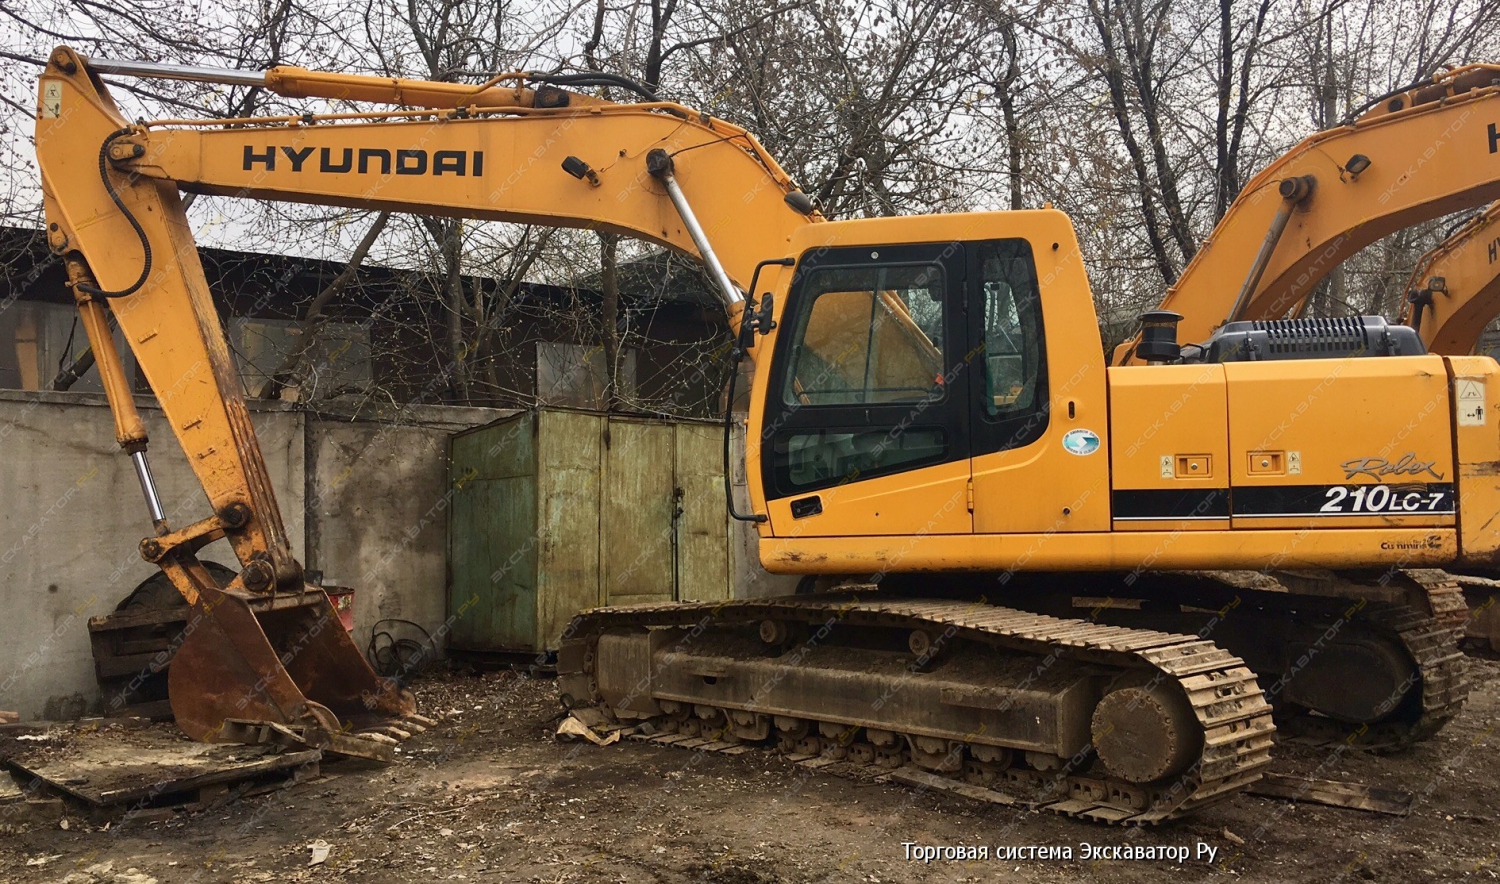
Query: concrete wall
<point x="357" y="492"/>
<point x="377" y="511"/>
<point x="364" y="495"/>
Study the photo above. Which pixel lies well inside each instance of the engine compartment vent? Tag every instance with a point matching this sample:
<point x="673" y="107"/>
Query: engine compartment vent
<point x="1334" y="338"/>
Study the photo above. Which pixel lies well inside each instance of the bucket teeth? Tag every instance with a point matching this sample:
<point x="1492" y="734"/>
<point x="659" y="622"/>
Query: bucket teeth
<point x="378" y="737"/>
<point x="374" y="746"/>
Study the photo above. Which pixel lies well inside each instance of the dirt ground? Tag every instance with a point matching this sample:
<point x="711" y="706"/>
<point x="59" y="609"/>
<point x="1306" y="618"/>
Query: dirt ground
<point x="490" y="796"/>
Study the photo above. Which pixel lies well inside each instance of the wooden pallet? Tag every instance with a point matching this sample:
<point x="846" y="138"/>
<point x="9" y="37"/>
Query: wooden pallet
<point x="132" y="651"/>
<point x="109" y="775"/>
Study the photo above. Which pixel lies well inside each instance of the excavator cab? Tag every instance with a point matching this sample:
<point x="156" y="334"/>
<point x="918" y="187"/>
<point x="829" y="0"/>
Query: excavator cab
<point x="930" y="375"/>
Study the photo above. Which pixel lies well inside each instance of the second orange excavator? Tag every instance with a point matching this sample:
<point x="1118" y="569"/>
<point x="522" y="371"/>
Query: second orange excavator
<point x="1454" y="291"/>
<point x="1411" y="156"/>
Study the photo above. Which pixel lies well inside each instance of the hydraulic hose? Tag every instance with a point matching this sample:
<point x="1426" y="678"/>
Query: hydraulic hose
<point x="124" y="210"/>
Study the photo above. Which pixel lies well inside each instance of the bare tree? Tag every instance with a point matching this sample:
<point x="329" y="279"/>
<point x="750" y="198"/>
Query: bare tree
<point x="1140" y="118"/>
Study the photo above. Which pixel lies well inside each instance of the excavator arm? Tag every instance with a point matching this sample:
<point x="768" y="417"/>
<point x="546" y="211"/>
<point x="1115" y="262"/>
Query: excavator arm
<point x="1417" y="155"/>
<point x="1454" y="290"/>
<point x="266" y="648"/>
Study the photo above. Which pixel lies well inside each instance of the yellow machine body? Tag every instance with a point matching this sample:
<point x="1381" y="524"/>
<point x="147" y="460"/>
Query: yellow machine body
<point x="930" y="393"/>
<point x="1338" y="463"/>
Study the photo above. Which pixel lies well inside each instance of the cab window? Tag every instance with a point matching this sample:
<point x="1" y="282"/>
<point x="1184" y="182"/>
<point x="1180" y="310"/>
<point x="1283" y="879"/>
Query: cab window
<point x="868" y="335"/>
<point x="1012" y="346"/>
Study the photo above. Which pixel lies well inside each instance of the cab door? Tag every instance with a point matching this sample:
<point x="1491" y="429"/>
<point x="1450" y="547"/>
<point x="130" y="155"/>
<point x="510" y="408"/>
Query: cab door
<point x="865" y="428"/>
<point x="1039" y="432"/>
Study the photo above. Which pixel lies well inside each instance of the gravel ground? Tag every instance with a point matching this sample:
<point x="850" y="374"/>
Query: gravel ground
<point x="489" y="795"/>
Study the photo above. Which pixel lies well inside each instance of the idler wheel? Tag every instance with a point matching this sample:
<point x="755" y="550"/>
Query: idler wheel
<point x="1144" y="733"/>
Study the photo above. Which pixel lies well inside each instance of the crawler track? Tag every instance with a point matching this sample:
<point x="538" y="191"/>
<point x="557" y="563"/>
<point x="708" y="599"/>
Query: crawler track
<point x="1418" y="612"/>
<point x="1228" y="709"/>
<point x="1431" y="638"/>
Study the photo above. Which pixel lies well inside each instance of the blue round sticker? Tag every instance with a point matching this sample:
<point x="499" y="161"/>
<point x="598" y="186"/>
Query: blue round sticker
<point x="1081" y="441"/>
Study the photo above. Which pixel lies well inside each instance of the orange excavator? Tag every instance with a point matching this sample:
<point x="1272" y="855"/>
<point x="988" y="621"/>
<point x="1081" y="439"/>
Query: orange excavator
<point x="1454" y="290"/>
<point x="1007" y="541"/>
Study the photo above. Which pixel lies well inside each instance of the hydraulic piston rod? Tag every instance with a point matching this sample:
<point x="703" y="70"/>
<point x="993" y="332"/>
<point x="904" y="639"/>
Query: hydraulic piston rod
<point x="148" y="487"/>
<point x="1294" y="191"/>
<point x="659" y="164"/>
<point x="154" y="70"/>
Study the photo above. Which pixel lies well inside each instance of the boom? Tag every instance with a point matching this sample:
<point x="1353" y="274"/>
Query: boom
<point x="1454" y="290"/>
<point x="143" y="257"/>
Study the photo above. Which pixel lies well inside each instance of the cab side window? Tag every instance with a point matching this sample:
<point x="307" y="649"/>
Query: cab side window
<point x="1012" y="336"/>
<point x="1012" y="408"/>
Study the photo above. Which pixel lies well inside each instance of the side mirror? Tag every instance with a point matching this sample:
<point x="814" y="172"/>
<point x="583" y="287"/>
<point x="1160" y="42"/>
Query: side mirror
<point x="754" y="321"/>
<point x="757" y="320"/>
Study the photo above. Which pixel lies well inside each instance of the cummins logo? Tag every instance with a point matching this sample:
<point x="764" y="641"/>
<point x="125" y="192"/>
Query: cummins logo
<point x="367" y="160"/>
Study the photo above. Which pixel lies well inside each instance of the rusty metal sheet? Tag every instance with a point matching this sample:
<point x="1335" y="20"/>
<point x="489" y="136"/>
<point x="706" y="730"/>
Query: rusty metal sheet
<point x="106" y="769"/>
<point x="1332" y="793"/>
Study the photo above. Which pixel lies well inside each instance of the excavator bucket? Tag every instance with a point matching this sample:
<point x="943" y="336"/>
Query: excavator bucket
<point x="280" y="668"/>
